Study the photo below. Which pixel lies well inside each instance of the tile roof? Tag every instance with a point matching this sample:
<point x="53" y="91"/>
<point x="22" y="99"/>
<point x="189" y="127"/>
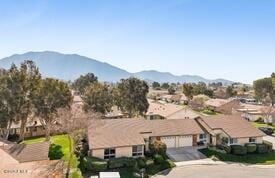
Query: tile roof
<point x="233" y="125"/>
<point x="165" y="110"/>
<point x="28" y="152"/>
<point x="127" y="132"/>
<point x="217" y="102"/>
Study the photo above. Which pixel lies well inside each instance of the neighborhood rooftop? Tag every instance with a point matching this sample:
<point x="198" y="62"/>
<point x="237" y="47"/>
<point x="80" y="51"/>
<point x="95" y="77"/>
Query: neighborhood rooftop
<point x="125" y="132"/>
<point x="233" y="125"/>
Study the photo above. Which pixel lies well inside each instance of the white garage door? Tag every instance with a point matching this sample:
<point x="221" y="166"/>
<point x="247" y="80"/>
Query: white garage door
<point x="185" y="141"/>
<point x="169" y="141"/>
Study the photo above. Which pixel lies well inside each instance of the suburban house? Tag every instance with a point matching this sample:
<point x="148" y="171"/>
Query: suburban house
<point x="158" y="110"/>
<point x="33" y="128"/>
<point x="225" y="106"/>
<point x="230" y="129"/>
<point x="110" y="138"/>
<point x="253" y="113"/>
<point x="176" y="98"/>
<point x="28" y="161"/>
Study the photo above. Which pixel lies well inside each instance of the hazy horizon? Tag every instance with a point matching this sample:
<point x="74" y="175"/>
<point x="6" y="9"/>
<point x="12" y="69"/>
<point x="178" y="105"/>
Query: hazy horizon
<point x="212" y="38"/>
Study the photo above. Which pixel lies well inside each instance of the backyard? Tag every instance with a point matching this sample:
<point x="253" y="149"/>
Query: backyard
<point x="60" y="147"/>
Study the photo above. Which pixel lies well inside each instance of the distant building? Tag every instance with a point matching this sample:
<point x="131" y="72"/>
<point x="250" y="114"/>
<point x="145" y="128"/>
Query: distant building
<point x="225" y="106"/>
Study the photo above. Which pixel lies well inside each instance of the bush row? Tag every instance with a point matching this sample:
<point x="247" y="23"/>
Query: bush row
<point x="98" y="165"/>
<point x="247" y="148"/>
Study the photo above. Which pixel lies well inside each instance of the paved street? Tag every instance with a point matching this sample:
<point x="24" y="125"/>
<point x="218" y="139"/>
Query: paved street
<point x="219" y="171"/>
<point x="270" y="139"/>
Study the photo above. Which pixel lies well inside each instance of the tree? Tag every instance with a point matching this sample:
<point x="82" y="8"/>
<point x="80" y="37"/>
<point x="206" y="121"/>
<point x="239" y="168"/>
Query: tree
<point x="171" y="90"/>
<point x="131" y="96"/>
<point x="263" y="89"/>
<point x="187" y="89"/>
<point x="83" y="81"/>
<point x="52" y="95"/>
<point x="199" y="88"/>
<point x="230" y="92"/>
<point x="98" y="98"/>
<point x="165" y="85"/>
<point x="273" y="86"/>
<point x="74" y="121"/>
<point x="155" y="85"/>
<point x="209" y="92"/>
<point x="17" y="88"/>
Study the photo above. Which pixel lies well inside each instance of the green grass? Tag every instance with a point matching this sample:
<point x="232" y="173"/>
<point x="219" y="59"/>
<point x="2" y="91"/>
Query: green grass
<point x="63" y="141"/>
<point x="268" y="158"/>
<point x="209" y="112"/>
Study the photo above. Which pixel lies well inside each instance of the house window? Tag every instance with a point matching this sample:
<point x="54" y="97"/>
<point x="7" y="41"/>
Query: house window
<point x="202" y="137"/>
<point x="137" y="150"/>
<point x="233" y="141"/>
<point x="252" y="139"/>
<point x="109" y="153"/>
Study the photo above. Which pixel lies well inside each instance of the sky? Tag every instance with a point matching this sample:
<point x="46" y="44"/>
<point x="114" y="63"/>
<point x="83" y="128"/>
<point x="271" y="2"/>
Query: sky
<point x="231" y="39"/>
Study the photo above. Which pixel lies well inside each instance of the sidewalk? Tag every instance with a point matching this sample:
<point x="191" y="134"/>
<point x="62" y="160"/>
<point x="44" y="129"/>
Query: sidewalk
<point x="209" y="161"/>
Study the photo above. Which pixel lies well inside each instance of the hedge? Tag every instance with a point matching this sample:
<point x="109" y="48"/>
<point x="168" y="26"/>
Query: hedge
<point x="141" y="162"/>
<point x="238" y="150"/>
<point x="158" y="159"/>
<point x="268" y="145"/>
<point x="121" y="162"/>
<point x="262" y="148"/>
<point x="226" y="148"/>
<point x="94" y="164"/>
<point x="251" y="148"/>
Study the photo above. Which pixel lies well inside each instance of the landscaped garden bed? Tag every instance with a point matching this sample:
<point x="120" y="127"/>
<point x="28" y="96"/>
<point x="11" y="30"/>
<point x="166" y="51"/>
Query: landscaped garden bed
<point x="250" y="153"/>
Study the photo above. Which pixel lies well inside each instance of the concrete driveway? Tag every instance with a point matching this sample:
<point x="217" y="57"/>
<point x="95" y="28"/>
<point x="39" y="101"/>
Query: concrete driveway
<point x="270" y="139"/>
<point x="218" y="171"/>
<point x="184" y="154"/>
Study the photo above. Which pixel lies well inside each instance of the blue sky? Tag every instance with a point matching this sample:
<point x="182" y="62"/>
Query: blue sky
<point x="232" y="39"/>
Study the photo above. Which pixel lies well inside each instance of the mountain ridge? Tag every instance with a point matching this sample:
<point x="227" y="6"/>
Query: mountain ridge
<point x="74" y="65"/>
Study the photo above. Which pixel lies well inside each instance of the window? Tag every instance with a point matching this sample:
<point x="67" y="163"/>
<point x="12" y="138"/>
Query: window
<point x="202" y="137"/>
<point x="233" y="141"/>
<point x="252" y="139"/>
<point x="109" y="153"/>
<point x="137" y="150"/>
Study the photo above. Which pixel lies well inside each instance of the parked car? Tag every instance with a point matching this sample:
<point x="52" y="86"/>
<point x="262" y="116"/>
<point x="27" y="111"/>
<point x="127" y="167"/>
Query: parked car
<point x="267" y="130"/>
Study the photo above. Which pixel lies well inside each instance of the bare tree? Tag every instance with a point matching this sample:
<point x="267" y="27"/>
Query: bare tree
<point x="75" y="123"/>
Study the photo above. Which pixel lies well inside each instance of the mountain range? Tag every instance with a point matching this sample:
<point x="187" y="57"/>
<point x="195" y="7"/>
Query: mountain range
<point x="71" y="66"/>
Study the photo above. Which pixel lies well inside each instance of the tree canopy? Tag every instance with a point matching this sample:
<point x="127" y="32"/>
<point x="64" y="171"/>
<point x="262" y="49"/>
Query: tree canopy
<point x="131" y="96"/>
<point x="52" y="95"/>
<point x="98" y="98"/>
<point x="84" y="81"/>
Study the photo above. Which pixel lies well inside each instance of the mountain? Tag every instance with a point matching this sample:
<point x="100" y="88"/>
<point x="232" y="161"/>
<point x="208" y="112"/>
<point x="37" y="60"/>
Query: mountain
<point x="71" y="66"/>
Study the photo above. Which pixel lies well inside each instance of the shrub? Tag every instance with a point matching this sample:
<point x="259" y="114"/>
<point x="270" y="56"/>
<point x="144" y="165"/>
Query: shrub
<point x="121" y="162"/>
<point x="251" y="148"/>
<point x="55" y="152"/>
<point x="141" y="162"/>
<point x="226" y="148"/>
<point x="268" y="145"/>
<point x="94" y="164"/>
<point x="158" y="159"/>
<point x="262" y="148"/>
<point x="158" y="147"/>
<point x="238" y="150"/>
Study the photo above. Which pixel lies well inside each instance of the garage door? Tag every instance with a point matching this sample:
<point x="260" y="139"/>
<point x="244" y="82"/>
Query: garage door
<point x="185" y="141"/>
<point x="169" y="141"/>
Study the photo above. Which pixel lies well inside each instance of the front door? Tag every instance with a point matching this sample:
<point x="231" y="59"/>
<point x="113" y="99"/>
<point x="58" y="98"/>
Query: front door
<point x="194" y="140"/>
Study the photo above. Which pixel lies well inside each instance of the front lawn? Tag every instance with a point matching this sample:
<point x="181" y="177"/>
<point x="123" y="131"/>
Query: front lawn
<point x="268" y="158"/>
<point x="209" y="112"/>
<point x="61" y="144"/>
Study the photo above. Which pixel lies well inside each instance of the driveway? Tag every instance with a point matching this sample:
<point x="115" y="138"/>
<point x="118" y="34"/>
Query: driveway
<point x="270" y="139"/>
<point x="218" y="171"/>
<point x="184" y="154"/>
